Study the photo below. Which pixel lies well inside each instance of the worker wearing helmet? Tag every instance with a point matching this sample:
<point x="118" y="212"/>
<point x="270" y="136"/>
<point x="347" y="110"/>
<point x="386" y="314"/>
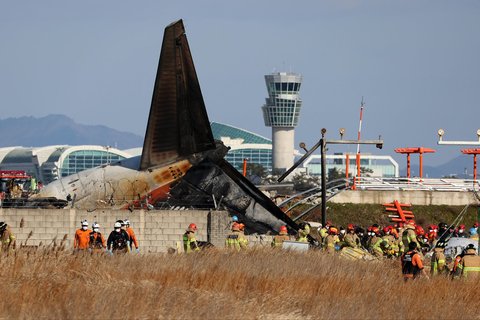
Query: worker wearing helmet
<point x="391" y="241"/>
<point x="461" y="232"/>
<point x="409" y="235"/>
<point x="82" y="237"/>
<point x="331" y="240"/>
<point x="243" y="240"/>
<point x="190" y="243"/>
<point x="469" y="265"/>
<point x="97" y="241"/>
<point x="118" y="241"/>
<point x="351" y="239"/>
<point x="412" y="264"/>
<point x="234" y="239"/>
<point x="281" y="237"/>
<point x="303" y="232"/>
<point x="7" y="238"/>
<point x="437" y="262"/>
<point x="131" y="235"/>
<point x="375" y="243"/>
<point x="473" y="233"/>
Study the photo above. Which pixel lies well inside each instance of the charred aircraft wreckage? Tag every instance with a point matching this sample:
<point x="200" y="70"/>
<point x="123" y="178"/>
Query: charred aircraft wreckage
<point x="181" y="164"/>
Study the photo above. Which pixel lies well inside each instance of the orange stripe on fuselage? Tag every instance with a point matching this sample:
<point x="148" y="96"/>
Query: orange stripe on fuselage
<point x="163" y="178"/>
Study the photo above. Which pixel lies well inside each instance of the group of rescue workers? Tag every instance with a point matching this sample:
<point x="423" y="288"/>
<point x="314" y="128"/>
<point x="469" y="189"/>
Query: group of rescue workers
<point x="407" y="242"/>
<point x="121" y="240"/>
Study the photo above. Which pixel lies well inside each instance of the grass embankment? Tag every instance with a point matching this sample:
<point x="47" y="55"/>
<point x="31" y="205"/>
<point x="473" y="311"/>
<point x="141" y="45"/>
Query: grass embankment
<point x="259" y="284"/>
<point x="367" y="214"/>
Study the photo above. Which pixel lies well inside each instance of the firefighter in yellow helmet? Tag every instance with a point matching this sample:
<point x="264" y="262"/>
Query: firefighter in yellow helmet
<point x="282" y="236"/>
<point x="189" y="241"/>
<point x="469" y="265"/>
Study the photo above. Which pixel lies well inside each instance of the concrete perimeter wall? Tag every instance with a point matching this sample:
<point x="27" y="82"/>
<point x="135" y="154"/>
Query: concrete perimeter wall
<point x="425" y="198"/>
<point x="156" y="230"/>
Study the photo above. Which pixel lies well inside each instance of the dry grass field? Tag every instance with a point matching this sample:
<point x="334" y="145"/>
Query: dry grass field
<point x="259" y="284"/>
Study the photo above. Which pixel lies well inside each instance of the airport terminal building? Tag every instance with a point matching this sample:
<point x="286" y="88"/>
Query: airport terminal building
<point x="50" y="163"/>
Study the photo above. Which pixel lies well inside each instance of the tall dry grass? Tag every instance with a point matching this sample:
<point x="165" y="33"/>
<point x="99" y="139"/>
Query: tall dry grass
<point x="259" y="284"/>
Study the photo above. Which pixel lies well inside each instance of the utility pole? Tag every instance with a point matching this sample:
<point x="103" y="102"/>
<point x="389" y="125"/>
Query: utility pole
<point x="441" y="133"/>
<point x="322" y="144"/>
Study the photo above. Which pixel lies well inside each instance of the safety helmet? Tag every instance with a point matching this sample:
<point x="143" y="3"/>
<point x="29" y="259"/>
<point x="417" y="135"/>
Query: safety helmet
<point x="235" y="218"/>
<point x="127" y="222"/>
<point x="84" y="223"/>
<point x="283" y="230"/>
<point x="411" y="222"/>
<point x="235" y="226"/>
<point x="375" y="230"/>
<point x="470" y="246"/>
<point x="475" y="225"/>
<point x="387" y="229"/>
<point x="95" y="225"/>
<point x="350" y="226"/>
<point x="419" y="231"/>
<point x="3" y="225"/>
<point x="473" y="231"/>
<point x="462" y="226"/>
<point x="122" y="223"/>
<point x="192" y="227"/>
<point x="442" y="225"/>
<point x="241" y="226"/>
<point x="117" y="225"/>
<point x="333" y="230"/>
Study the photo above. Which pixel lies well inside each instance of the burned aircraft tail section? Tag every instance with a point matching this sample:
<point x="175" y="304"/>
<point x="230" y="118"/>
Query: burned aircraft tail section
<point x="178" y="124"/>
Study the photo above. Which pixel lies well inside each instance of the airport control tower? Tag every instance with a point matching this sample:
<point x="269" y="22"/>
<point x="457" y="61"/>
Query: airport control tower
<point x="281" y="112"/>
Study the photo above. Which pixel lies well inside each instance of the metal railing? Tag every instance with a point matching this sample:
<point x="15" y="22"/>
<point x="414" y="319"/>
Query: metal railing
<point x="421" y="184"/>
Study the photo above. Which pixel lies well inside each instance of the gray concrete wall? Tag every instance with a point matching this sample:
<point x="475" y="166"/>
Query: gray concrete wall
<point x="451" y="198"/>
<point x="156" y="230"/>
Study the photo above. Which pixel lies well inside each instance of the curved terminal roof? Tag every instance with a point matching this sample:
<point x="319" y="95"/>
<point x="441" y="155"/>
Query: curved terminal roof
<point x="221" y="131"/>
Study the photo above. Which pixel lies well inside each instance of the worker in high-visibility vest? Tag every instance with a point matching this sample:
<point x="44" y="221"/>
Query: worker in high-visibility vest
<point x="437" y="264"/>
<point x="281" y="237"/>
<point x="469" y="265"/>
<point x="189" y="241"/>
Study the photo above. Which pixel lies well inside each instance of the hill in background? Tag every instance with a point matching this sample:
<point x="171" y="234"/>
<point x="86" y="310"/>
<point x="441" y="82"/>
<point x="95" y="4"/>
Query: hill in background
<point x="60" y="129"/>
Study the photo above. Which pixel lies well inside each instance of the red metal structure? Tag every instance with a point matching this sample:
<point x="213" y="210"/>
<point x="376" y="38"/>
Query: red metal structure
<point x="420" y="151"/>
<point x="474" y="152"/>
<point x="401" y="214"/>
<point x="13" y="174"/>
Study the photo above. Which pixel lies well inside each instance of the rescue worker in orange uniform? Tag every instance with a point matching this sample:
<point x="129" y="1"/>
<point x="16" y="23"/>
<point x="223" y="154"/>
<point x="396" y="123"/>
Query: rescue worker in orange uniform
<point x="97" y="242"/>
<point x="331" y="240"/>
<point x="82" y="237"/>
<point x="189" y="241"/>
<point x="282" y="236"/>
<point x="131" y="234"/>
<point x="469" y="265"/>
<point x="412" y="264"/>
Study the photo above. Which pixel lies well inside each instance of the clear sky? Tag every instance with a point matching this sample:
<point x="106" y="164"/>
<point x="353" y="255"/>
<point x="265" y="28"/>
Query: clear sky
<point x="415" y="62"/>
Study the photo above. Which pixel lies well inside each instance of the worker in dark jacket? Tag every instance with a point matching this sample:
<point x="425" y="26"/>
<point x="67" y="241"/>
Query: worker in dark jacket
<point x="118" y="241"/>
<point x="412" y="264"/>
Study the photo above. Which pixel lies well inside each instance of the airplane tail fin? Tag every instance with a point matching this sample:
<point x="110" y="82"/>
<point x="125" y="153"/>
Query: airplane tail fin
<point x="178" y="124"/>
